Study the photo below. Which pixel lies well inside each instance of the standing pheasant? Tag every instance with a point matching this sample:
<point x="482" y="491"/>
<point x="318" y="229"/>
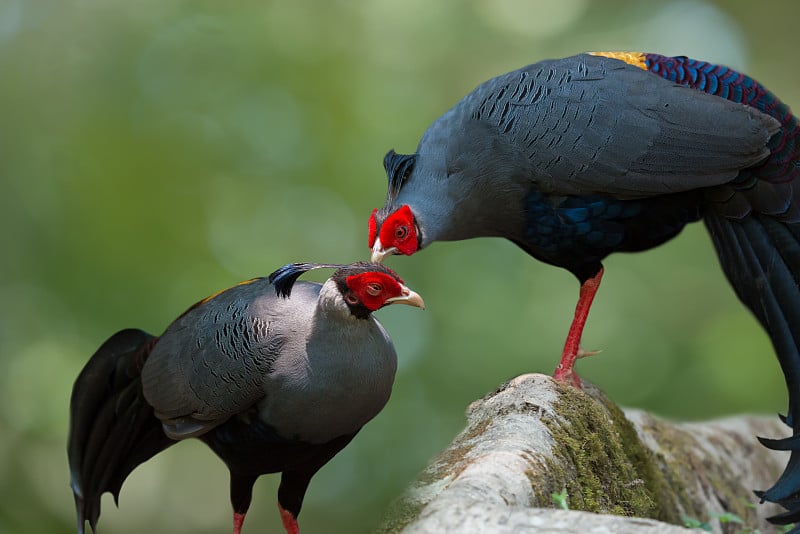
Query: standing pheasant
<point x="574" y="159"/>
<point x="272" y="375"/>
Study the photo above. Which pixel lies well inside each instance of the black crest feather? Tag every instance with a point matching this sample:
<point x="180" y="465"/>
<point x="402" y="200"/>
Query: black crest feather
<point x="283" y="279"/>
<point x="397" y="166"/>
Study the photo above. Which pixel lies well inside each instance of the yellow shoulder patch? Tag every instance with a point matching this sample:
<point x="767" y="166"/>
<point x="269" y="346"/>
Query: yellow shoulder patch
<point x="636" y="59"/>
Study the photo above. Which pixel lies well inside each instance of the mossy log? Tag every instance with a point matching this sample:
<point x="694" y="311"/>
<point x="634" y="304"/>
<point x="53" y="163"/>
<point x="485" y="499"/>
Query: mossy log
<point x="621" y="470"/>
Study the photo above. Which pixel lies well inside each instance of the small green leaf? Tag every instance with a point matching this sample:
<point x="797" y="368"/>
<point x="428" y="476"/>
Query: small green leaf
<point x="691" y="522"/>
<point x="560" y="499"/>
<point x="729" y="517"/>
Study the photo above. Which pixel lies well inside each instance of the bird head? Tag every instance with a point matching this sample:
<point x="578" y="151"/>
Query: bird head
<point x="364" y="287"/>
<point x="394" y="233"/>
<point x="395" y="230"/>
<point x="372" y="286"/>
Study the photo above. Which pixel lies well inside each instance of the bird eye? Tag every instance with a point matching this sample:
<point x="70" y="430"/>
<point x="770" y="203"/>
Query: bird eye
<point x="374" y="289"/>
<point x="401" y="232"/>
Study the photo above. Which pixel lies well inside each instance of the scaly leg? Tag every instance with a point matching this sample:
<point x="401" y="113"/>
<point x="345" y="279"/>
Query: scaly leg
<point x="238" y="521"/>
<point x="289" y="521"/>
<point x="572" y="348"/>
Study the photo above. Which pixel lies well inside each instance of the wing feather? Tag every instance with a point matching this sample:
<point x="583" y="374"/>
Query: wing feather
<point x="211" y="363"/>
<point x="589" y="124"/>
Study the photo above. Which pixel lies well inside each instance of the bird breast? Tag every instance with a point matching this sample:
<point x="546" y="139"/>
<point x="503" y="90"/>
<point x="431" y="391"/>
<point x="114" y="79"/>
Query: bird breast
<point x="340" y="379"/>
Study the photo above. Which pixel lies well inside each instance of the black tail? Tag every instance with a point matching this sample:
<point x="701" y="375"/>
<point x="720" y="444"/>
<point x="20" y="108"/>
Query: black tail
<point x="112" y="428"/>
<point x="761" y="258"/>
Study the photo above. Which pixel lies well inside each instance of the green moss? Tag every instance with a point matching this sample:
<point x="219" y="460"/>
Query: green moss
<point x="678" y="466"/>
<point x="602" y="463"/>
<point x="669" y="496"/>
<point x="683" y="464"/>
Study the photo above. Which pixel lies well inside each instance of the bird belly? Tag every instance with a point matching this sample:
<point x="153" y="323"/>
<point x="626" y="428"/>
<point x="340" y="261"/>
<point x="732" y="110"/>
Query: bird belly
<point x="578" y="232"/>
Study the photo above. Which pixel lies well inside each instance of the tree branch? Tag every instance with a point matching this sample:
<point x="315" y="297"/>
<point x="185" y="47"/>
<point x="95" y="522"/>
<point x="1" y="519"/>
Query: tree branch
<point x="534" y="437"/>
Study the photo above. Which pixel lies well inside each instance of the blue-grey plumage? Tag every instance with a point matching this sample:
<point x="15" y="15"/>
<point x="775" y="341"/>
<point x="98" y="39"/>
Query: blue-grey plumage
<point x="577" y="158"/>
<point x="273" y="375"/>
<point x="569" y="127"/>
<point x="309" y="367"/>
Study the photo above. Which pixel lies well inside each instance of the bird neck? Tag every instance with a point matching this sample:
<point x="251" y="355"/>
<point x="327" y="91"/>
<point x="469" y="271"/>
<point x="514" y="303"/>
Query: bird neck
<point x="331" y="304"/>
<point x="481" y="213"/>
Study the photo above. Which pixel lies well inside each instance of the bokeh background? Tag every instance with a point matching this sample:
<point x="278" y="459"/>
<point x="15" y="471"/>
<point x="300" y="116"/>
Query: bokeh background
<point x="153" y="152"/>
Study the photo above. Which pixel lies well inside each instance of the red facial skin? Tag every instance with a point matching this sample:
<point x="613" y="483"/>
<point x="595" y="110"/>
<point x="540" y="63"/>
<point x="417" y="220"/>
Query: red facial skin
<point x="398" y="231"/>
<point x="373" y="289"/>
<point x="373" y="228"/>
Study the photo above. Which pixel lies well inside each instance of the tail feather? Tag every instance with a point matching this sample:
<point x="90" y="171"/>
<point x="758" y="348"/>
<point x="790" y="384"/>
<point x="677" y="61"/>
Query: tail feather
<point x="112" y="428"/>
<point x="761" y="258"/>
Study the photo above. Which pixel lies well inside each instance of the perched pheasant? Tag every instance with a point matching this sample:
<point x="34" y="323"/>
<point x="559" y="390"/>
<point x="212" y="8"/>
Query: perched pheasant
<point x="573" y="159"/>
<point x="273" y="375"/>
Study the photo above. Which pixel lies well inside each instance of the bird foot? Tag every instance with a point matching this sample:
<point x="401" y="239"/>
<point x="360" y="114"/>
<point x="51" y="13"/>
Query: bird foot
<point x="565" y="371"/>
<point x="568" y="376"/>
<point x="586" y="353"/>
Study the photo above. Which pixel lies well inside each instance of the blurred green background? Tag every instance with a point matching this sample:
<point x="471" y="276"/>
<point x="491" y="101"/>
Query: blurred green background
<point x="153" y="152"/>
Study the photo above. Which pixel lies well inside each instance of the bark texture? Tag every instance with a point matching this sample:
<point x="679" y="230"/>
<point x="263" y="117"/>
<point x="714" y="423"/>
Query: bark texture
<point x="621" y="471"/>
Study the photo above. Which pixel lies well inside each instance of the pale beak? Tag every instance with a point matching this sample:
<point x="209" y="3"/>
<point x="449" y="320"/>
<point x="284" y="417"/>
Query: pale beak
<point x="378" y="253"/>
<point x="409" y="297"/>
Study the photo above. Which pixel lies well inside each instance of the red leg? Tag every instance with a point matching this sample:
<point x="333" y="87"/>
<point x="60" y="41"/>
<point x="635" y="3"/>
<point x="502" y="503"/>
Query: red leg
<point x="572" y="347"/>
<point x="238" y="520"/>
<point x="289" y="521"/>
